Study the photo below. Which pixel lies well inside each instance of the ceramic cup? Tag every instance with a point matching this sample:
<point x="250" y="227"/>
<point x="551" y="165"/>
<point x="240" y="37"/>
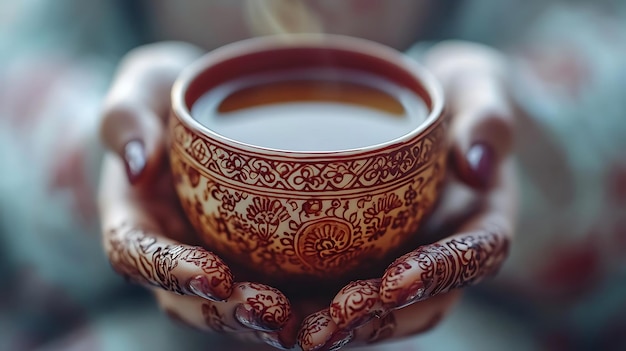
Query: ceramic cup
<point x="319" y="215"/>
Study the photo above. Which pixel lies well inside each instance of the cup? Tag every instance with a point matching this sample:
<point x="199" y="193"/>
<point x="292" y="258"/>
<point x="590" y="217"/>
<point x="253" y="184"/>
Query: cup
<point x="310" y="215"/>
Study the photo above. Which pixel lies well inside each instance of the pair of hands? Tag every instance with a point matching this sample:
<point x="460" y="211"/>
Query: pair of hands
<point x="149" y="241"/>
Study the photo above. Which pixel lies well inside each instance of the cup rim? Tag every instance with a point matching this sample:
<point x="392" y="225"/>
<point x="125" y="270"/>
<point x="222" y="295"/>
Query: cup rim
<point x="272" y="42"/>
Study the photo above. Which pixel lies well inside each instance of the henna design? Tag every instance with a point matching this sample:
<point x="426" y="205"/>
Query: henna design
<point x="266" y="309"/>
<point x="438" y="268"/>
<point x="356" y="304"/>
<point x="291" y="217"/>
<point x="318" y="324"/>
<point x="312" y="325"/>
<point x="143" y="259"/>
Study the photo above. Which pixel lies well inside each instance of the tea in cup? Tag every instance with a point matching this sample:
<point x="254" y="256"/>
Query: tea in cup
<point x="309" y="158"/>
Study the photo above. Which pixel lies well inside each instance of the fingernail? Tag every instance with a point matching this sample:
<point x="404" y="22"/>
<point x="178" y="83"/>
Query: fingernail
<point x="248" y="317"/>
<point x="134" y="159"/>
<point x="199" y="285"/>
<point x="480" y="159"/>
<point x="414" y="293"/>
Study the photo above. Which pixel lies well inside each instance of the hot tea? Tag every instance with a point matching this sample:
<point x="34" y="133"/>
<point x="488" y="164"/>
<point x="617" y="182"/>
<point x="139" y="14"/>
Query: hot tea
<point x="307" y="161"/>
<point x="311" y="110"/>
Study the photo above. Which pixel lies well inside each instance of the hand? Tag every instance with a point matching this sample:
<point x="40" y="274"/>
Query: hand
<point x="469" y="232"/>
<point x="145" y="233"/>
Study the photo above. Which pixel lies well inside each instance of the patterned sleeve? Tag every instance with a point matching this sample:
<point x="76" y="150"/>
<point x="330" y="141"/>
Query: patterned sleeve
<point x="570" y="81"/>
<point x="53" y="79"/>
<point x="564" y="284"/>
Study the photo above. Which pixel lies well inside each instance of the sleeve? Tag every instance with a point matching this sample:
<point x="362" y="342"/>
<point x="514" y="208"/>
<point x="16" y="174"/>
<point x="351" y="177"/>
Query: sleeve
<point x="569" y="81"/>
<point x="56" y="60"/>
<point x="566" y="267"/>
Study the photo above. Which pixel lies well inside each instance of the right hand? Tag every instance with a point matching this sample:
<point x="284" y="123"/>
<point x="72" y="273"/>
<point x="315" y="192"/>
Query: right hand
<point x="145" y="232"/>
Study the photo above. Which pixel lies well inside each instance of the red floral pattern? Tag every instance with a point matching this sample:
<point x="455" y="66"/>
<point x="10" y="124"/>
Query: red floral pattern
<point x="295" y="216"/>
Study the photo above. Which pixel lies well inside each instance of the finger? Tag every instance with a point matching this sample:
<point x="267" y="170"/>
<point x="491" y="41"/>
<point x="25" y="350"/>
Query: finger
<point x="415" y="319"/>
<point x="476" y="251"/>
<point x="359" y="301"/>
<point x="482" y="133"/>
<point x="474" y="80"/>
<point x="356" y="304"/>
<point x="255" y="311"/>
<point x="138" y="250"/>
<point x="320" y="332"/>
<point x="138" y="103"/>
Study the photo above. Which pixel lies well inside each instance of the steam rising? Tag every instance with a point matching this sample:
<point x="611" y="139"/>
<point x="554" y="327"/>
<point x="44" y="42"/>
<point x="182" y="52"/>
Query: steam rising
<point x="272" y="17"/>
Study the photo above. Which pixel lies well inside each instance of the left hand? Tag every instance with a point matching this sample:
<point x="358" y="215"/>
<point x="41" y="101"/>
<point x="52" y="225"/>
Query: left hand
<point x="471" y="228"/>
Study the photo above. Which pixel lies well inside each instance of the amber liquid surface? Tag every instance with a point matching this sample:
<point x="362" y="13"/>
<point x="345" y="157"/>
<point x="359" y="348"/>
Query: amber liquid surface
<point x="311" y="110"/>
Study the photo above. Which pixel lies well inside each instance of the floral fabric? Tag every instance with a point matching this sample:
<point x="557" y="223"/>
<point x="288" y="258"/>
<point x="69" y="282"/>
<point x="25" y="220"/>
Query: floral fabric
<point x="562" y="289"/>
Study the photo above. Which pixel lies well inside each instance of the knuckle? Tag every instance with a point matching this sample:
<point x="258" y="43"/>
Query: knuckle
<point x="117" y="119"/>
<point x="118" y="112"/>
<point x="499" y="121"/>
<point x="496" y="127"/>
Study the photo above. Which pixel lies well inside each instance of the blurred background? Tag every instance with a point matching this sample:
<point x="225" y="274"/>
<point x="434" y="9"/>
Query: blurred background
<point x="563" y="288"/>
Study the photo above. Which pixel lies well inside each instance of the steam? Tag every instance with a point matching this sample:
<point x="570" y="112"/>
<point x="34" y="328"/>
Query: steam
<point x="275" y="17"/>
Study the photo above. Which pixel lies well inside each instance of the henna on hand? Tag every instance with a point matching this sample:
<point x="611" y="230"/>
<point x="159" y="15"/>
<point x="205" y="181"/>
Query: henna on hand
<point x="477" y="251"/>
<point x="356" y="304"/>
<point x="154" y="261"/>
<point x="254" y="312"/>
<point x="438" y="268"/>
<point x="263" y="308"/>
<point x="318" y="332"/>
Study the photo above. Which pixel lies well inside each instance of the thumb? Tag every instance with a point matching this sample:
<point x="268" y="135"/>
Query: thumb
<point x="136" y="134"/>
<point x="137" y="105"/>
<point x="474" y="81"/>
<point x="482" y="130"/>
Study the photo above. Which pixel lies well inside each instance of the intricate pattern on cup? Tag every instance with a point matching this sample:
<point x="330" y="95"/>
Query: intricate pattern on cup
<point x="315" y="215"/>
<point x="311" y="216"/>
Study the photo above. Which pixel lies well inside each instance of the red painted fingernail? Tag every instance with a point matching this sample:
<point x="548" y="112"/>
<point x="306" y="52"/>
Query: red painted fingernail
<point x="134" y="160"/>
<point x="248" y="317"/>
<point x="199" y="285"/>
<point x="480" y="160"/>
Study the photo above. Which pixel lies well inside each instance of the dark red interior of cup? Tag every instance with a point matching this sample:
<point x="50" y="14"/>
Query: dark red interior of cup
<point x="249" y="62"/>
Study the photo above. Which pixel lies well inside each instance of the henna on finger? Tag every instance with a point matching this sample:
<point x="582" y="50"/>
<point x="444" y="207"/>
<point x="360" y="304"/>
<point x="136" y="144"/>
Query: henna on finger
<point x="318" y="332"/>
<point x="198" y="313"/>
<point x="154" y="261"/>
<point x="268" y="316"/>
<point x="260" y="307"/>
<point x="449" y="264"/>
<point x="356" y="304"/>
<point x="285" y="338"/>
<point x="412" y="320"/>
